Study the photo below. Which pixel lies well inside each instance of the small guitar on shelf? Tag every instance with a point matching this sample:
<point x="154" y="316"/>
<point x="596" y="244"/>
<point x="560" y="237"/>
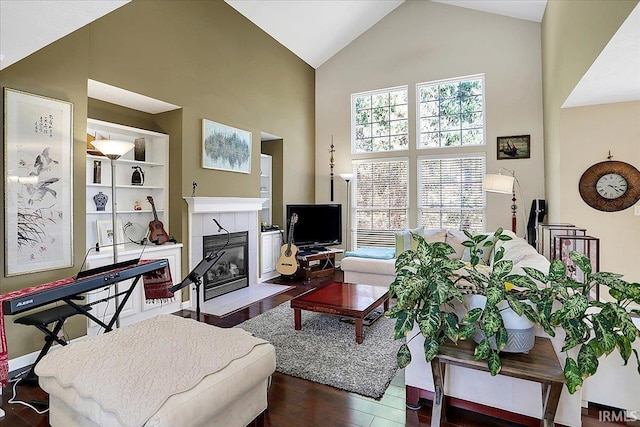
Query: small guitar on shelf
<point x="156" y="229"/>
<point x="287" y="264"/>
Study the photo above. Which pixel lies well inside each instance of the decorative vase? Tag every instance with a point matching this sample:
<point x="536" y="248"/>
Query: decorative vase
<point x="97" y="171"/>
<point x="139" y="153"/>
<point x="100" y="200"/>
<point x="137" y="178"/>
<point x="520" y="329"/>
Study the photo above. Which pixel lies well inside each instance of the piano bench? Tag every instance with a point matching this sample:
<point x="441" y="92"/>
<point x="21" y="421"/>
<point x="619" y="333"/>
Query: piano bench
<point x="46" y="317"/>
<point x="42" y="320"/>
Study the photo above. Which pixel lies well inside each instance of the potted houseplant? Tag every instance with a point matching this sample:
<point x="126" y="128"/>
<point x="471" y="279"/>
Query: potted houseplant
<point x="430" y="291"/>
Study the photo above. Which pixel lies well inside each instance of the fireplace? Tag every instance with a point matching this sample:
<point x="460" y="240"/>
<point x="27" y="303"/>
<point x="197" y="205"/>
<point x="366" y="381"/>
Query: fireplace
<point x="230" y="273"/>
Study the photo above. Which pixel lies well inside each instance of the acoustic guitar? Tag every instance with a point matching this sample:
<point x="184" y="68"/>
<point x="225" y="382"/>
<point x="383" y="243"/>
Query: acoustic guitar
<point x="287" y="264"/>
<point x="156" y="229"/>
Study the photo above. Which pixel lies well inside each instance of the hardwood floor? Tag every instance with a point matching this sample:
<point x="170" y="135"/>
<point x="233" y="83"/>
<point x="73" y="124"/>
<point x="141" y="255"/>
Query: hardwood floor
<point x="294" y="402"/>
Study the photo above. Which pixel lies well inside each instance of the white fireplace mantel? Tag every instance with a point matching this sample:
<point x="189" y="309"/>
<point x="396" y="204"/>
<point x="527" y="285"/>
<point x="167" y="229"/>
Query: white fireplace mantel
<point x="224" y="204"/>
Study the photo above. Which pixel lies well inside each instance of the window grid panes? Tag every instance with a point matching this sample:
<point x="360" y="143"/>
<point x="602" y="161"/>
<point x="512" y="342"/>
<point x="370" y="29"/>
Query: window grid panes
<point x="380" y="120"/>
<point x="450" y="193"/>
<point x="381" y="201"/>
<point x="451" y="113"/>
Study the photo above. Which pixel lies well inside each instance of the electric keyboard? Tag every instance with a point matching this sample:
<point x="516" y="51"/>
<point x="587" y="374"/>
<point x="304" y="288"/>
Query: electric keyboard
<point x="85" y="281"/>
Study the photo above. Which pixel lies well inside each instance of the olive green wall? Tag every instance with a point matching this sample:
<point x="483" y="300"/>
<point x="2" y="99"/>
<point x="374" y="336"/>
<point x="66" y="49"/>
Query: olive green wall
<point x="200" y="55"/>
<point x="573" y="35"/>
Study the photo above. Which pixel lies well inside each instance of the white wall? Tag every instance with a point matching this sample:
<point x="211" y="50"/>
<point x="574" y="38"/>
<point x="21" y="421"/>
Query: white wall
<point x="425" y="41"/>
<point x="587" y="134"/>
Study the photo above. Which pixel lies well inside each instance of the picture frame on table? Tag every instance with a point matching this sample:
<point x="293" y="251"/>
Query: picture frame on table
<point x="105" y="234"/>
<point x="225" y="148"/>
<point x="38" y="178"/>
<point x="514" y="147"/>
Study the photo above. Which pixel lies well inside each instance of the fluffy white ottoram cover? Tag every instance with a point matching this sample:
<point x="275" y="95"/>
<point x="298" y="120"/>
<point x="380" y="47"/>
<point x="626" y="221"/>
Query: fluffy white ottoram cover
<point x="132" y="371"/>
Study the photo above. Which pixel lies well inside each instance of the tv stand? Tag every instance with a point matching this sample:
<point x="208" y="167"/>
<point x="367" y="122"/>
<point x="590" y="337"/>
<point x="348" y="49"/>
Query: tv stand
<point x="320" y="264"/>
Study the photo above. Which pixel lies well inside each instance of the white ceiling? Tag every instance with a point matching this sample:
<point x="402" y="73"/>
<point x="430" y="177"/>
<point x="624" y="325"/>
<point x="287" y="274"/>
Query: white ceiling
<point x="29" y="25"/>
<point x="315" y="30"/>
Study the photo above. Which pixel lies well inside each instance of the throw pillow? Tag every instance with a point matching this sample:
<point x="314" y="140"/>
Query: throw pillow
<point x="404" y="241"/>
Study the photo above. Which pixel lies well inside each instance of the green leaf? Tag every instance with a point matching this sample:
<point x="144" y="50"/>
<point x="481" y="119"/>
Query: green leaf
<point x="495" y="293"/>
<point x="466" y="331"/>
<point x="498" y="254"/>
<point x="468" y="244"/>
<point x="429" y="320"/>
<point x="624" y="347"/>
<point x="603" y="330"/>
<point x="451" y="326"/>
<point x="431" y="347"/>
<point x="472" y="315"/>
<point x="515" y="305"/>
<point x="404" y="324"/>
<point x="494" y="363"/>
<point x="502" y="338"/>
<point x="573" y="375"/>
<point x="575" y="306"/>
<point x="535" y="274"/>
<point x="491" y="321"/>
<point x="581" y="261"/>
<point x="587" y="361"/>
<point x="482" y="350"/>
<point x="595" y="346"/>
<point x="521" y="282"/>
<point x="557" y="270"/>
<point x="403" y="357"/>
<point x="532" y="315"/>
<point x="502" y="268"/>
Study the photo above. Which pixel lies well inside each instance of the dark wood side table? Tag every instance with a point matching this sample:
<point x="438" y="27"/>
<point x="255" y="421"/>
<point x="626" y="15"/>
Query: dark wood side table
<point x="540" y="365"/>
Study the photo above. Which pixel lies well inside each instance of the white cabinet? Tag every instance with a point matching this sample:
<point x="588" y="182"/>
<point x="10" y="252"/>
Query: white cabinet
<point x="136" y="308"/>
<point x="270" y="244"/>
<point x="155" y="168"/>
<point x="266" y="188"/>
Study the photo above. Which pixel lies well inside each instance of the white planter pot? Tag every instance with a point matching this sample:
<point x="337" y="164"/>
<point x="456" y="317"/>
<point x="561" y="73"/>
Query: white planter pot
<point x="519" y="328"/>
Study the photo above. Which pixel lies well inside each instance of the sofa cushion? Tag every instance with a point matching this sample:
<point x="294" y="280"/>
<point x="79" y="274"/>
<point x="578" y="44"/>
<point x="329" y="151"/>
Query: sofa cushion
<point x="367" y="265"/>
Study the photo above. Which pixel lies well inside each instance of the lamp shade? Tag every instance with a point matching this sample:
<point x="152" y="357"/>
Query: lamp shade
<point x="346" y="176"/>
<point x="495" y="183"/>
<point x="112" y="148"/>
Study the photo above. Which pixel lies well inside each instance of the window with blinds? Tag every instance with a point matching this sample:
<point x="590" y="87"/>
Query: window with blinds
<point x="381" y="201"/>
<point x="450" y="192"/>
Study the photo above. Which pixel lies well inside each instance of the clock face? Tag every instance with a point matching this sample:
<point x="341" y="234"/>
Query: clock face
<point x="611" y="186"/>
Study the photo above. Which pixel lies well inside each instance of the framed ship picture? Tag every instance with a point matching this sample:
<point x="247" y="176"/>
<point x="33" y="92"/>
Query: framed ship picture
<point x="514" y="147"/>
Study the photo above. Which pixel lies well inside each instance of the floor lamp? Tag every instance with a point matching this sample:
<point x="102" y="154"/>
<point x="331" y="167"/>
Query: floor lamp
<point x="348" y="177"/>
<point x="113" y="149"/>
<point x="503" y="184"/>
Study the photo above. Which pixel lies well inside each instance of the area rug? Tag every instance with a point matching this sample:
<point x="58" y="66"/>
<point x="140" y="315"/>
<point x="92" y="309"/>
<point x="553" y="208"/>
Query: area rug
<point x="325" y="349"/>
<point x="236" y="300"/>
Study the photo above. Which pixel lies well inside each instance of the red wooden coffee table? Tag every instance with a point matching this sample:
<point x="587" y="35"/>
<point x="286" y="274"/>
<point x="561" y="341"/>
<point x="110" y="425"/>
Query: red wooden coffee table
<point x="348" y="300"/>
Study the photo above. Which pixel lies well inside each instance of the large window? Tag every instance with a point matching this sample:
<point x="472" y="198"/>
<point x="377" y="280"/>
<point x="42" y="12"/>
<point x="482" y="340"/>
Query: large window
<point x="381" y="201"/>
<point x="450" y="192"/>
<point x="451" y="113"/>
<point x="380" y="120"/>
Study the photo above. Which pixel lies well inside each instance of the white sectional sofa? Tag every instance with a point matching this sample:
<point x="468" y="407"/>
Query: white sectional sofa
<point x="505" y="393"/>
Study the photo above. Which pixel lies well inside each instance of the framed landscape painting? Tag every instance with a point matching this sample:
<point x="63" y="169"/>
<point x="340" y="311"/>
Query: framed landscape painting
<point x="225" y="148"/>
<point x="38" y="174"/>
<point x="514" y="147"/>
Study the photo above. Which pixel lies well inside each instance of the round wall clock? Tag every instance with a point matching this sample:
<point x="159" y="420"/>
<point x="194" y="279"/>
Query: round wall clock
<point x="610" y="186"/>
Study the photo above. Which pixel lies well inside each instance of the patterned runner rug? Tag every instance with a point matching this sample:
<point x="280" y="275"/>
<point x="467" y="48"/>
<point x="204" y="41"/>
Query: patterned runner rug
<point x="325" y="350"/>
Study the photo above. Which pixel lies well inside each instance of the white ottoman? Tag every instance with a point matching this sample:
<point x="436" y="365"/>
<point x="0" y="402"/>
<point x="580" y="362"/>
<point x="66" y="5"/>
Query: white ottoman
<point x="187" y="394"/>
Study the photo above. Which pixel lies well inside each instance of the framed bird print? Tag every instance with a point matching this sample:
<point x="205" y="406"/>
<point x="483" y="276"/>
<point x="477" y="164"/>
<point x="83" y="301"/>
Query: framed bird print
<point x="38" y="183"/>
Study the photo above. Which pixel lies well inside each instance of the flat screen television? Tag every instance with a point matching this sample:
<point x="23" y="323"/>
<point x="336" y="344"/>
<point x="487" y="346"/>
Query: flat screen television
<point x="318" y="226"/>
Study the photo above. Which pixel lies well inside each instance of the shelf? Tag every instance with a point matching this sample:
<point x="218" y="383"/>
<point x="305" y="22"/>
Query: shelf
<point x="124" y="212"/>
<point x="125" y="161"/>
<point x="136" y="187"/>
